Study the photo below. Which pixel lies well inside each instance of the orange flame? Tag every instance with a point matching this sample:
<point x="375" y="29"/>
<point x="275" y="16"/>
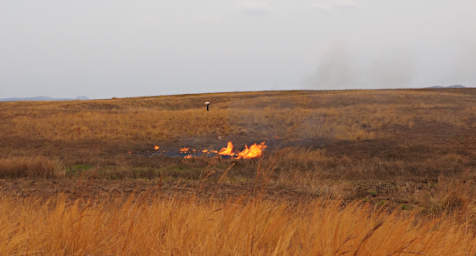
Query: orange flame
<point x="209" y="151"/>
<point x="184" y="150"/>
<point x="228" y="151"/>
<point x="254" y="151"/>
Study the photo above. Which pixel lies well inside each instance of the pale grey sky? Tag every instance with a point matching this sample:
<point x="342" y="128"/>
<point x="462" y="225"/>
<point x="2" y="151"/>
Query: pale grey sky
<point x="106" y="48"/>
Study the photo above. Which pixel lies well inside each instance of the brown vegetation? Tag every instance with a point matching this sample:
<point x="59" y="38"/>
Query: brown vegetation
<point x="411" y="153"/>
<point x="190" y="227"/>
<point x="32" y="167"/>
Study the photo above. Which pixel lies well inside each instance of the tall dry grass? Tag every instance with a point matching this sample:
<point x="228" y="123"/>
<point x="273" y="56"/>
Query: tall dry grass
<point x="138" y="226"/>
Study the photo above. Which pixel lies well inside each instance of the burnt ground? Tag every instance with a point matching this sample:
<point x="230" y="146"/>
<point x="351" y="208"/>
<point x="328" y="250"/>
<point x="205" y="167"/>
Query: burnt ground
<point x="103" y="189"/>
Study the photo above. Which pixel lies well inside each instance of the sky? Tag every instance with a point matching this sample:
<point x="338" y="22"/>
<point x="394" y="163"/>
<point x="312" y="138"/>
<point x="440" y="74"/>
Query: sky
<point x="119" y="48"/>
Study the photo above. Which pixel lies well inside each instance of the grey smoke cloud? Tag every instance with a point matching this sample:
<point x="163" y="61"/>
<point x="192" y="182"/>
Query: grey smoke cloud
<point x="335" y="70"/>
<point x="343" y="68"/>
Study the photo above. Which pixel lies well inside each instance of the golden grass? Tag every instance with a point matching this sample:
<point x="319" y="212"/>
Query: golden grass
<point x="246" y="226"/>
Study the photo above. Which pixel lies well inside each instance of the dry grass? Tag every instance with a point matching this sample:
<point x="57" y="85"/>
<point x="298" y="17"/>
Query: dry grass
<point x="342" y="143"/>
<point x="409" y="153"/>
<point x="139" y="226"/>
<point x="345" y="116"/>
<point x="32" y="167"/>
<point x="403" y="125"/>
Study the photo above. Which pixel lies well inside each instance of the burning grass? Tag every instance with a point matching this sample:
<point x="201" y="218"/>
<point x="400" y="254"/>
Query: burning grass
<point x="245" y="226"/>
<point x="254" y="151"/>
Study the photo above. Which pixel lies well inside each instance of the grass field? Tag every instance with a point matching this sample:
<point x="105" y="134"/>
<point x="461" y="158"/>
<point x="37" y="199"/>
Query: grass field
<point x="367" y="172"/>
<point x="139" y="226"/>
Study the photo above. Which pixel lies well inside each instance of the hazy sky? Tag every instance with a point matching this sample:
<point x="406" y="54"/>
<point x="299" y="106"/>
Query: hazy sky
<point x="106" y="48"/>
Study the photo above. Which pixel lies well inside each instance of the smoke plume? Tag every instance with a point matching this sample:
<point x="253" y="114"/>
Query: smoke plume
<point x="342" y="68"/>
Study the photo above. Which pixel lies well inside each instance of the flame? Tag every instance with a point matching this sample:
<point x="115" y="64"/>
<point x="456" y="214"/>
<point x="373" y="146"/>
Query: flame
<point x="254" y="151"/>
<point x="228" y="151"/>
<point x="184" y="150"/>
<point x="209" y="151"/>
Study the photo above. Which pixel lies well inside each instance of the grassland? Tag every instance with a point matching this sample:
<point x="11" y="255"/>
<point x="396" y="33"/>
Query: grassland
<point x="190" y="227"/>
<point x="395" y="169"/>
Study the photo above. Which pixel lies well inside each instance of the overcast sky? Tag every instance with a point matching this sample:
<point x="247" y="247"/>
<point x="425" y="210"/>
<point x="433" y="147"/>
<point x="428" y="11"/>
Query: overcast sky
<point x="106" y="48"/>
